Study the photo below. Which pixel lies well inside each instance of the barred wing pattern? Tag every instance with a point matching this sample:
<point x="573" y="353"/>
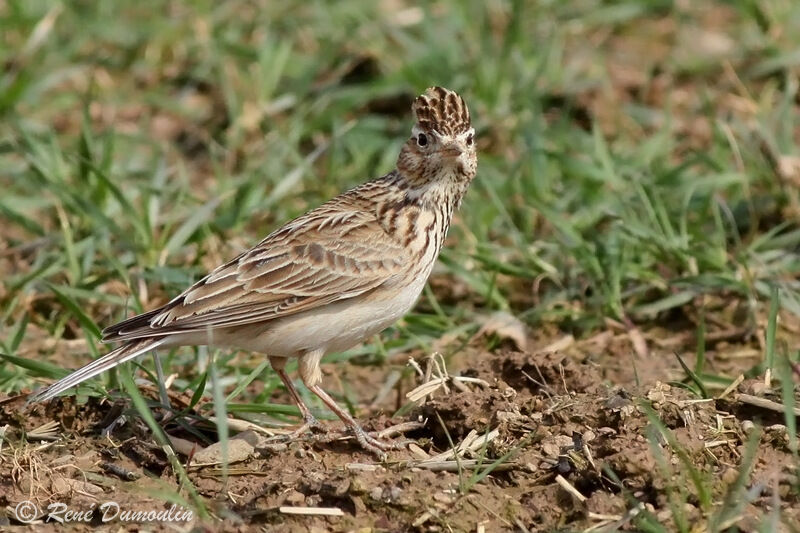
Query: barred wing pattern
<point x="333" y="253"/>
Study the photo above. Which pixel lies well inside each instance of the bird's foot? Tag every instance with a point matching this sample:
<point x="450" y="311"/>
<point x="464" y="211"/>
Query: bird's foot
<point x="373" y="441"/>
<point x="306" y="430"/>
<point x="310" y="426"/>
<point x="312" y="431"/>
<point x="374" y="445"/>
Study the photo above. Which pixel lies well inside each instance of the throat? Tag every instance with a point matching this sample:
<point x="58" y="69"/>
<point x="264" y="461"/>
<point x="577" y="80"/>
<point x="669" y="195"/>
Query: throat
<point x="419" y="217"/>
<point x="446" y="191"/>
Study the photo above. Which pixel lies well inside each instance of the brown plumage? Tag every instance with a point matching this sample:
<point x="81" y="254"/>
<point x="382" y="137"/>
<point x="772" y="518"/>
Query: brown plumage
<point x="328" y="279"/>
<point x="442" y="111"/>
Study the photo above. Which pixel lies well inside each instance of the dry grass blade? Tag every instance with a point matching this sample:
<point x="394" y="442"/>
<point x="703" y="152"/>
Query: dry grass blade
<point x="466" y="464"/>
<point x="362" y="467"/>
<point x="603" y="521"/>
<point x="567" y="486"/>
<point x="765" y="403"/>
<point x="399" y="429"/>
<point x="47" y="431"/>
<point x="424" y="517"/>
<point x="471" y="443"/>
<point x="419" y="452"/>
<point x="240" y="426"/>
<point x="391" y="431"/>
<point x="436" y="367"/>
<point x="312" y="511"/>
<point x="425" y="389"/>
<point x="732" y="387"/>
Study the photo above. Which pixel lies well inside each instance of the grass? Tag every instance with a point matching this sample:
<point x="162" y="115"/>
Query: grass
<point x="632" y="165"/>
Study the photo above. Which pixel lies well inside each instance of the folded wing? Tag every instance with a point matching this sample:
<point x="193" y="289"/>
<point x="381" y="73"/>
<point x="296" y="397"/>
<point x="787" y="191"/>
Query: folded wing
<point x="327" y="255"/>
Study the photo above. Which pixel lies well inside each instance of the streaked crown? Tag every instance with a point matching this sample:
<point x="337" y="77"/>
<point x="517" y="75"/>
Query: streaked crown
<point x="443" y="111"/>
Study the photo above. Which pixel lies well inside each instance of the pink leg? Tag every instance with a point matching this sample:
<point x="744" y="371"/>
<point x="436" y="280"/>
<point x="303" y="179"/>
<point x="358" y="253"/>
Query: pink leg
<point x="309" y="420"/>
<point x="311" y="375"/>
<point x="369" y="443"/>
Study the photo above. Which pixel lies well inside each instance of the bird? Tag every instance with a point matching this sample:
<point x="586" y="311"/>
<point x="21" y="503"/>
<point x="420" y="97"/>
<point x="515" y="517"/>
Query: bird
<point x="327" y="280"/>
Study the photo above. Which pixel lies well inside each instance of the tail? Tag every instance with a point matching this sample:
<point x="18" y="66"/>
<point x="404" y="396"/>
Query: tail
<point x="116" y="357"/>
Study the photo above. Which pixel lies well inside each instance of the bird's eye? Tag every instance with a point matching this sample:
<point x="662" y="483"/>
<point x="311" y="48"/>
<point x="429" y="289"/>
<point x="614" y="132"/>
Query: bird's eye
<point x="469" y="140"/>
<point x="422" y="139"/>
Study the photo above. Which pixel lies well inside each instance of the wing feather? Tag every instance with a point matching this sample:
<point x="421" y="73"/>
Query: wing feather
<point x="329" y="254"/>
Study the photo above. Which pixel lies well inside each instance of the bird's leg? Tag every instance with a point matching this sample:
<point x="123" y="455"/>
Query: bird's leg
<point x="311" y="376"/>
<point x="309" y="420"/>
<point x="368" y="442"/>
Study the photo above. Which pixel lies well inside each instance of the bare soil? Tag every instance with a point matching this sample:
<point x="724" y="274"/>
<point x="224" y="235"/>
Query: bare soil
<point x="575" y="452"/>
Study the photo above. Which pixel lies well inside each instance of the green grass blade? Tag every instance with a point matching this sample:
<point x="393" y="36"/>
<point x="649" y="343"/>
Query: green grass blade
<point x="37" y="366"/>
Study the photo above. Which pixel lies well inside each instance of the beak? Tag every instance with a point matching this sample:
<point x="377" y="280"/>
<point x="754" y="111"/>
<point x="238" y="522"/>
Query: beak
<point x="451" y="152"/>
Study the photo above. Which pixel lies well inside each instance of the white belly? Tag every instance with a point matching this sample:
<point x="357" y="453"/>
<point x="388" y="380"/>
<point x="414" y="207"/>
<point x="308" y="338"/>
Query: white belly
<point x="332" y="328"/>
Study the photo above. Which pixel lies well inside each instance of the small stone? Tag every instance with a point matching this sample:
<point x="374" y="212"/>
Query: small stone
<point x="508" y="416"/>
<point x="295" y="498"/>
<point x="754" y="387"/>
<point x="357" y="486"/>
<point x="617" y="402"/>
<point x="552" y="447"/>
<point x="67" y="486"/>
<point x="658" y="394"/>
<point x="87" y="460"/>
<point x="238" y="450"/>
<point x="729" y="476"/>
<point x="249" y="436"/>
<point x="337" y="487"/>
<point x="395" y="493"/>
<point x="691" y="511"/>
<point x="441" y="497"/>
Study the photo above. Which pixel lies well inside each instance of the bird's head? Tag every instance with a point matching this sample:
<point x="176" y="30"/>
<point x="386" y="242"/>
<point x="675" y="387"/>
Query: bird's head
<point x="442" y="143"/>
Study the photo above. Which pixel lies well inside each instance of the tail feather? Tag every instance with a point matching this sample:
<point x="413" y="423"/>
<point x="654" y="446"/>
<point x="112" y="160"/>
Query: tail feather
<point x="116" y="357"/>
<point x="120" y="329"/>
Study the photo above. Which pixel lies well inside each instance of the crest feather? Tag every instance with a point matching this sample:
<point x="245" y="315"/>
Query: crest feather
<point x="443" y="111"/>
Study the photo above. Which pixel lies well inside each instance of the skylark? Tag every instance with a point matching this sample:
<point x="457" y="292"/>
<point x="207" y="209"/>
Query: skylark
<point x="329" y="279"/>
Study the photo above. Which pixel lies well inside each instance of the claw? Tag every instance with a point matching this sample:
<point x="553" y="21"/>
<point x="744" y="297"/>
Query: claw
<point x="310" y="423"/>
<point x="369" y="441"/>
<point x="371" y="444"/>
